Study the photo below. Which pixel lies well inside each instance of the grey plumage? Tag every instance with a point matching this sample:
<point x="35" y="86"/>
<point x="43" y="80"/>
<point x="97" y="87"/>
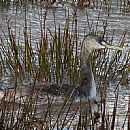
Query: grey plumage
<point x="87" y="88"/>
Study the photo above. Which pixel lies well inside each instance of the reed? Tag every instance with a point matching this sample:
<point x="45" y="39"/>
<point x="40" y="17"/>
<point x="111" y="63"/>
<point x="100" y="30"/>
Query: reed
<point x="55" y="58"/>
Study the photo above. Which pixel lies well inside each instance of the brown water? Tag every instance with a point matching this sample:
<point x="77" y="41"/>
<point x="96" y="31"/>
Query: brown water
<point x="117" y="20"/>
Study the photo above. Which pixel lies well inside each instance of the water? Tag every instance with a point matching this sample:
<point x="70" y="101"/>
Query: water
<point x="117" y="20"/>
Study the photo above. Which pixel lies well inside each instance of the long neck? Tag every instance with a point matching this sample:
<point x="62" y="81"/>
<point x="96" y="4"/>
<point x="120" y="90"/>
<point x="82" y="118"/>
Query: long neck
<point x="86" y="73"/>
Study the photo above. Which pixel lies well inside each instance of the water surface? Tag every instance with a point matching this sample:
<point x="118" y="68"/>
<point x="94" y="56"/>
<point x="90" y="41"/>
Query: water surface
<point x="117" y="20"/>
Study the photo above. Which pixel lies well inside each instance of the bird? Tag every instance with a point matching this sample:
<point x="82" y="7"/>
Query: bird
<point x="87" y="87"/>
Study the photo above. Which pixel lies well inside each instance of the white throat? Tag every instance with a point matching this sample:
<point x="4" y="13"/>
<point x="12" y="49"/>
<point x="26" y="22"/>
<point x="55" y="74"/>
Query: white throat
<point x="93" y="92"/>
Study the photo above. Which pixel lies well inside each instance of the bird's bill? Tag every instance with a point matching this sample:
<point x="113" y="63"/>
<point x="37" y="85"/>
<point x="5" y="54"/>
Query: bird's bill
<point x="112" y="47"/>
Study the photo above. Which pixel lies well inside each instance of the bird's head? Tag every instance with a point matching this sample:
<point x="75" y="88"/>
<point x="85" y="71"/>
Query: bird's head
<point x="94" y="42"/>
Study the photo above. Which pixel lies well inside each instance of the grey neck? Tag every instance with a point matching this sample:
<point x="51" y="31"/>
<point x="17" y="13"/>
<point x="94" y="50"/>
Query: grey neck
<point x="86" y="73"/>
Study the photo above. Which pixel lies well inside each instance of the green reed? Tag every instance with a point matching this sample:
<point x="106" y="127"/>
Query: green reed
<point x="55" y="58"/>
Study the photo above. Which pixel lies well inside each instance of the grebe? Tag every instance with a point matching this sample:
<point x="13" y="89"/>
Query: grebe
<point x="87" y="87"/>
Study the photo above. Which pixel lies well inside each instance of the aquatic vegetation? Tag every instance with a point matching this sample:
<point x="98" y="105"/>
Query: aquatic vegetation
<point x="55" y="59"/>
